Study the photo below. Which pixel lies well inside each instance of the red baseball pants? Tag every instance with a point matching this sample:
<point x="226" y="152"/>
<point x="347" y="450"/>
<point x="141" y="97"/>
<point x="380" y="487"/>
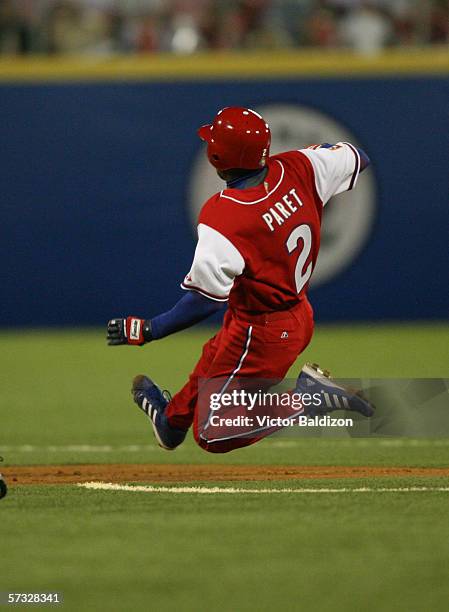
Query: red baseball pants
<point x="262" y="346"/>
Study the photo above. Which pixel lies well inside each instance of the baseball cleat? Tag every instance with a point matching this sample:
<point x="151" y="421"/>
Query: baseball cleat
<point x="153" y="402"/>
<point x="313" y="379"/>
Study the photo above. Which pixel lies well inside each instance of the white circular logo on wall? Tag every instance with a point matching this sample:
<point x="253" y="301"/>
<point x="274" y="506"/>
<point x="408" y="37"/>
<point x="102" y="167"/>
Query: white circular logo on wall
<point x="347" y="219"/>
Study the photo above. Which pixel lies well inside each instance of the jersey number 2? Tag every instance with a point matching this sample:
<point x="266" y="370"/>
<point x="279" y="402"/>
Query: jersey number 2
<point x="302" y="232"/>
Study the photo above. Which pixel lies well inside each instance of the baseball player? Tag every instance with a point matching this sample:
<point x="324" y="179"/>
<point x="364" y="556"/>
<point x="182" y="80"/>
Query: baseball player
<point x="258" y="242"/>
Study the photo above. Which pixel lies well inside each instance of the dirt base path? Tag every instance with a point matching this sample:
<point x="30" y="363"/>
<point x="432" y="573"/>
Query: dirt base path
<point x="66" y="474"/>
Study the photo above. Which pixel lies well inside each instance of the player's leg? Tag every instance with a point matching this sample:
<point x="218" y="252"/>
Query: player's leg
<point x="257" y="353"/>
<point x="181" y="410"/>
<point x="221" y="355"/>
<point x="172" y="417"/>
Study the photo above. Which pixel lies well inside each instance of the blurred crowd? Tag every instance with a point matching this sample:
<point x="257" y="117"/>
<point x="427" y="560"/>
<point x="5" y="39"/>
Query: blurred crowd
<point x="107" y="27"/>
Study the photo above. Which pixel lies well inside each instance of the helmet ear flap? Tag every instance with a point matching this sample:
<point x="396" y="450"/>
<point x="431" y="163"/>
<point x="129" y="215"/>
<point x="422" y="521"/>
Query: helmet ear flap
<point x="213" y="155"/>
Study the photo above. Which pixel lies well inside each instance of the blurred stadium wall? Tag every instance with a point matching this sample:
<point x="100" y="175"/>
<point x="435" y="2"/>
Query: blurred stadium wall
<point x="102" y="177"/>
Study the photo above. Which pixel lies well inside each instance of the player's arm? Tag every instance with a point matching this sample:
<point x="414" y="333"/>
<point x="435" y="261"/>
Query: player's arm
<point x="215" y="266"/>
<point x="189" y="310"/>
<point x="336" y="167"/>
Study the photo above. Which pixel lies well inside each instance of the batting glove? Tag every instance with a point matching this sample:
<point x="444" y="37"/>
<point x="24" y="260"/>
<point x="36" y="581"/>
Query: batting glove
<point x="131" y="330"/>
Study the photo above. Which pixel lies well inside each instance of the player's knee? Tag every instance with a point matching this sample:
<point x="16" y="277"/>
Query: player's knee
<point x="215" y="448"/>
<point x="212" y="447"/>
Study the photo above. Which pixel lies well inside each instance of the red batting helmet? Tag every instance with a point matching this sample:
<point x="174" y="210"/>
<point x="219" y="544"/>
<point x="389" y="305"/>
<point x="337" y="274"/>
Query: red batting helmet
<point x="237" y="138"/>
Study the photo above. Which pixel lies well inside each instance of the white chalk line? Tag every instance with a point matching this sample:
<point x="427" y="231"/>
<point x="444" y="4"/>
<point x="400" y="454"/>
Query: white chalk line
<point x="139" y="448"/>
<point x="109" y="486"/>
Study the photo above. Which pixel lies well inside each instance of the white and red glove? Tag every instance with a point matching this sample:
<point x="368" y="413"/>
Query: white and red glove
<point x="131" y="330"/>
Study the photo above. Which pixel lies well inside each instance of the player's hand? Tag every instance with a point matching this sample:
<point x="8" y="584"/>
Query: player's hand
<point x="131" y="330"/>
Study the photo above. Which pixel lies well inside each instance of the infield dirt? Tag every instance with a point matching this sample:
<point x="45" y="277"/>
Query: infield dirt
<point x="67" y="474"/>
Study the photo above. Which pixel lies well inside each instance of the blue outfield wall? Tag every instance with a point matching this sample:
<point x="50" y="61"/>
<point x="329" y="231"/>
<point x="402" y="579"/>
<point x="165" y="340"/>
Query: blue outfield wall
<point x="94" y="194"/>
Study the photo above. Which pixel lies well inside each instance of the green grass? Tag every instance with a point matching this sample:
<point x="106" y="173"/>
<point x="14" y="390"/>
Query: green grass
<point x="273" y="451"/>
<point x="137" y="551"/>
<point x="237" y="553"/>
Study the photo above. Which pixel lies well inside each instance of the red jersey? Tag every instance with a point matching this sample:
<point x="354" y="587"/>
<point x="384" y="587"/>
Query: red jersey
<point x="258" y="246"/>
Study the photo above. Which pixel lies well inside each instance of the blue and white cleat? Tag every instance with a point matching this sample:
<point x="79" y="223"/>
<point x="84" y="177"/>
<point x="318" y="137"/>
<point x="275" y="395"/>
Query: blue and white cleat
<point x="312" y="379"/>
<point x="153" y="402"/>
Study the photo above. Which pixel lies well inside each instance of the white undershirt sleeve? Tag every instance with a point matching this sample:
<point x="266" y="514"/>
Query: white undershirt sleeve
<point x="215" y="265"/>
<point x="336" y="169"/>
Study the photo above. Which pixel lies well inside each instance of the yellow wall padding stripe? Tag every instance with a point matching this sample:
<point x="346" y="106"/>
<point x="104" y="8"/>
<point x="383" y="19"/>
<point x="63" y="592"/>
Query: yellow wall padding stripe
<point x="234" y="66"/>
